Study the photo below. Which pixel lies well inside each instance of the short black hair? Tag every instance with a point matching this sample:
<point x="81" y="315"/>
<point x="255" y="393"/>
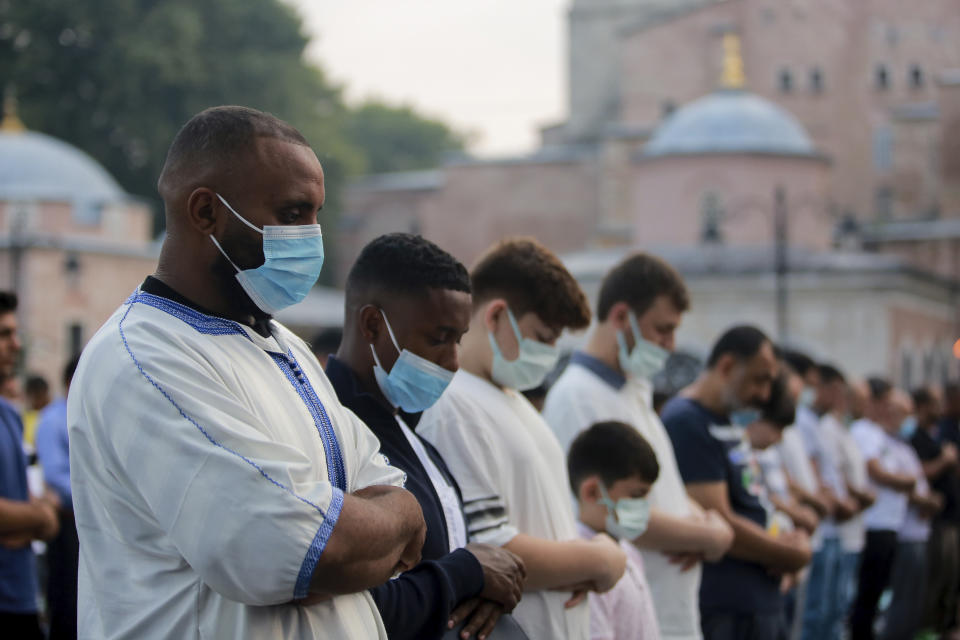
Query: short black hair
<point x="612" y="450"/>
<point x="780" y="410"/>
<point x="879" y="387"/>
<point x="800" y="362"/>
<point x="922" y="397"/>
<point x="829" y="373"/>
<point x="36" y="384"/>
<point x="639" y="280"/>
<point x="403" y="263"/>
<point x="69" y="369"/>
<point x="743" y="342"/>
<point x="327" y="341"/>
<point x="531" y="279"/>
<point x="8" y="301"/>
<point x="220" y="133"/>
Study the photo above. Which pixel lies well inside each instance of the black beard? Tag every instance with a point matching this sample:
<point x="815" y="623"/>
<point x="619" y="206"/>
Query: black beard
<point x="246" y="255"/>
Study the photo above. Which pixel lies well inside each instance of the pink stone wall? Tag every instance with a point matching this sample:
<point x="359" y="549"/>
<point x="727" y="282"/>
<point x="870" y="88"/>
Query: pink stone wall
<point x="669" y="196"/>
<point x="846" y="41"/>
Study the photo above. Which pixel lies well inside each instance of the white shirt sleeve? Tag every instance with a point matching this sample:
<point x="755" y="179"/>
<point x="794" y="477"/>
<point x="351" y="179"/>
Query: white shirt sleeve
<point x="472" y="458"/>
<point x="249" y="514"/>
<point x="870" y="441"/>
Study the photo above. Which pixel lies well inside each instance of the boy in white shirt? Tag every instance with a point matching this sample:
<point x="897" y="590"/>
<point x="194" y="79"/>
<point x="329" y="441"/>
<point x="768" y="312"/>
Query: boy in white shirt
<point x="639" y="309"/>
<point x="612" y="469"/>
<point x="509" y="465"/>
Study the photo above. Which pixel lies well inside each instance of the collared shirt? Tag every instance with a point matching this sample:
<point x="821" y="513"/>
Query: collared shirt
<point x="625" y="612"/>
<point x="588" y="392"/>
<point x="53" y="449"/>
<point x="890" y="508"/>
<point x="18" y="574"/>
<point x="853" y="531"/>
<point x="209" y="467"/>
<point x="514" y="479"/>
<point x="418" y="603"/>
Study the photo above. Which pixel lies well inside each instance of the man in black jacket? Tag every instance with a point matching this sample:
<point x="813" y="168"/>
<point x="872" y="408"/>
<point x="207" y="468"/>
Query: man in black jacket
<point x="407" y="305"/>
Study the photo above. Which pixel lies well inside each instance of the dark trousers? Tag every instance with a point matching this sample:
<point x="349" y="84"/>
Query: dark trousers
<point x="743" y="626"/>
<point x="908" y="580"/>
<point x="63" y="558"/>
<point x="22" y="626"/>
<point x="876" y="563"/>
<point x="943" y="574"/>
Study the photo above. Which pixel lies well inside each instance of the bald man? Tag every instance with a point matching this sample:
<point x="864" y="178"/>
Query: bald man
<point x="220" y="488"/>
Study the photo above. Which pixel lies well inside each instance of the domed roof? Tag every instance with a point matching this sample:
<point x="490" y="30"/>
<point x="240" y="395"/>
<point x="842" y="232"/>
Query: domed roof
<point x="37" y="166"/>
<point x="730" y="121"/>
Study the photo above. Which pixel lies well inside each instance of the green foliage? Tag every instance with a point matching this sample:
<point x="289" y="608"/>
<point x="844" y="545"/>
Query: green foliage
<point x="117" y="78"/>
<point x="398" y="139"/>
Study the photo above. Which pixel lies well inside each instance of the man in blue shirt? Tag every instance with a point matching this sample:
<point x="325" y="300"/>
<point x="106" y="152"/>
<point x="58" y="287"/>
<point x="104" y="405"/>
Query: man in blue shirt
<point x="63" y="552"/>
<point x="407" y="305"/>
<point x="22" y="519"/>
<point x="740" y="595"/>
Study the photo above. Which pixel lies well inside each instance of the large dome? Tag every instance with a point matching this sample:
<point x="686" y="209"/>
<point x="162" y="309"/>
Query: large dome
<point x="34" y="166"/>
<point x="730" y="121"/>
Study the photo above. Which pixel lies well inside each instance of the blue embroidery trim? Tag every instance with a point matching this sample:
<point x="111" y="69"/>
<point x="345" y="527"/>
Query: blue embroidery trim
<point x="331" y="446"/>
<point x="319" y="543"/>
<point x="210" y="438"/>
<point x="203" y="323"/>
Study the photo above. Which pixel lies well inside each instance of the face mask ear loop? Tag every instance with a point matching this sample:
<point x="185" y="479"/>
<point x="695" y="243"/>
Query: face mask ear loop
<point x="390" y="330"/>
<point x="635" y="328"/>
<point x="515" y="327"/>
<point x="217" y="244"/>
<point x="242" y="219"/>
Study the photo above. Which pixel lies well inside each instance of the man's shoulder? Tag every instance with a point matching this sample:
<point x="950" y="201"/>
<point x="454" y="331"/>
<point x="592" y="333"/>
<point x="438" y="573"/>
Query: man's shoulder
<point x="681" y="412"/>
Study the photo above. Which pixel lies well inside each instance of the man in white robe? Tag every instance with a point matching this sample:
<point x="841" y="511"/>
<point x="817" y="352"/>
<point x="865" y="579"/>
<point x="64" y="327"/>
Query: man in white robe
<point x="220" y="489"/>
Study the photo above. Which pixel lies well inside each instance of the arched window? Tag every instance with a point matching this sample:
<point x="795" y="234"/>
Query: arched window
<point x="816" y="80"/>
<point x="882" y="77"/>
<point x="786" y="81"/>
<point x="916" y="76"/>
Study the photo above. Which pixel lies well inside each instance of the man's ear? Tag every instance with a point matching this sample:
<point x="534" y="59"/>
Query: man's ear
<point x="590" y="489"/>
<point x="204" y="211"/>
<point x="725" y="364"/>
<point x="493" y="313"/>
<point x="370" y="322"/>
<point x="619" y="316"/>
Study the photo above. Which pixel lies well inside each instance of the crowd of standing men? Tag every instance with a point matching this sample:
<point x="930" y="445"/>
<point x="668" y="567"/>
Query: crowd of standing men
<point x="226" y="485"/>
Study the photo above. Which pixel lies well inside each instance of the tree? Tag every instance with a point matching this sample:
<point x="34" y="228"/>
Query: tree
<point x="398" y="139"/>
<point x="117" y="78"/>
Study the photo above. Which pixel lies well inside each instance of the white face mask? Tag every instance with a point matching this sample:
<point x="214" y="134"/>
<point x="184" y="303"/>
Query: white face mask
<point x="534" y="361"/>
<point x="627" y="518"/>
<point x="646" y="359"/>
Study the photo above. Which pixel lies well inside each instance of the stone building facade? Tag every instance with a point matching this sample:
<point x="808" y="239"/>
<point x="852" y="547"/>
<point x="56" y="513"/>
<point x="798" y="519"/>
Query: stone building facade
<point x="687" y="117"/>
<point x="73" y="245"/>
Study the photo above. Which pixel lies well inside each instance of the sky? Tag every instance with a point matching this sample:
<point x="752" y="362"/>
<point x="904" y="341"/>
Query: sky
<point x="494" y="69"/>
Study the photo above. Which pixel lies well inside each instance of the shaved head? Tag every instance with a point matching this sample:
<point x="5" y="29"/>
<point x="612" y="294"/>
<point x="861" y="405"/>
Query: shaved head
<point x="217" y="144"/>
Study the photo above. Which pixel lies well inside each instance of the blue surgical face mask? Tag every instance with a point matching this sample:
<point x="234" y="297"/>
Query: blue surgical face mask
<point x="293" y="258"/>
<point x="414" y="383"/>
<point x="646" y="359"/>
<point x="745" y="417"/>
<point x="627" y="518"/>
<point x="534" y="361"/>
<point x="908" y="427"/>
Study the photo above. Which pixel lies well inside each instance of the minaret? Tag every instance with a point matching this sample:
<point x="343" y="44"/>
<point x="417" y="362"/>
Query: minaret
<point x="11" y="123"/>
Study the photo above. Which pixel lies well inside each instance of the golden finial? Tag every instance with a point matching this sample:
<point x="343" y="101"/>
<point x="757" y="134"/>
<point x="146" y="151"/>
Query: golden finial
<point x="732" y="77"/>
<point x="11" y="123"/>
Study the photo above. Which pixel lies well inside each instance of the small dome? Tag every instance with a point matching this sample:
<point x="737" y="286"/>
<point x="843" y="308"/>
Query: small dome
<point x="35" y="166"/>
<point x="730" y="121"/>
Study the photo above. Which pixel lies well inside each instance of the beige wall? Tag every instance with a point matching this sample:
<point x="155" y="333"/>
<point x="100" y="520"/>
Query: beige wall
<point x="669" y="194"/>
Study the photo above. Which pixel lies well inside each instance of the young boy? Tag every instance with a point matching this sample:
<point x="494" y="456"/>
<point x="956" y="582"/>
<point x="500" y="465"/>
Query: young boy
<point x="508" y="463"/>
<point x="612" y="469"/>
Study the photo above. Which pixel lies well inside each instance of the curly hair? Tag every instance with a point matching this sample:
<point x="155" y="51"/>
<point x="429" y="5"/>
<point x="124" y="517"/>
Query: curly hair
<point x="403" y="263"/>
<point x="531" y="279"/>
<point x="639" y="280"/>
